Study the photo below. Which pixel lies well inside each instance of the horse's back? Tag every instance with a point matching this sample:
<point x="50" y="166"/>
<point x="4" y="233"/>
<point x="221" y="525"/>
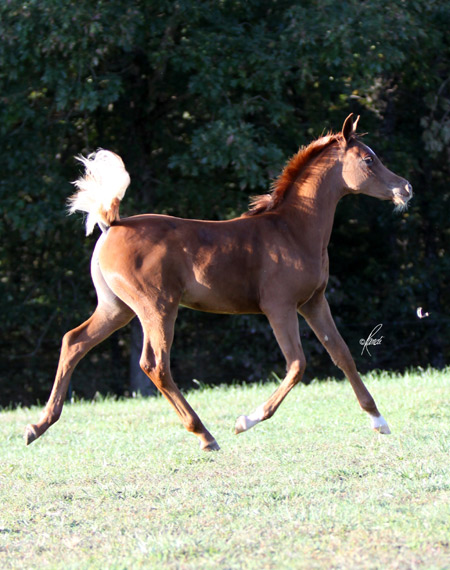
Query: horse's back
<point x="234" y="266"/>
<point x="205" y="265"/>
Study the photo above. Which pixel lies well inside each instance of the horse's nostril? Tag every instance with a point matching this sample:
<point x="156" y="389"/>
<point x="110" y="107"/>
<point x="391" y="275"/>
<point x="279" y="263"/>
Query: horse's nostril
<point x="409" y="188"/>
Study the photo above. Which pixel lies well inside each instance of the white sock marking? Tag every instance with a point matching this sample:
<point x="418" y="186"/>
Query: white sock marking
<point x="380" y="424"/>
<point x="244" y="423"/>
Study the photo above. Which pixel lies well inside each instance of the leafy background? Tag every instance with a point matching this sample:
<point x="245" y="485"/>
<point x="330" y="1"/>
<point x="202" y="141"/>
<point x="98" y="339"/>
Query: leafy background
<point x="205" y="101"/>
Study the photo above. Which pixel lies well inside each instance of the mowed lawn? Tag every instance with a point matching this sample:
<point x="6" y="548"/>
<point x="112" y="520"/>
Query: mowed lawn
<point x="121" y="485"/>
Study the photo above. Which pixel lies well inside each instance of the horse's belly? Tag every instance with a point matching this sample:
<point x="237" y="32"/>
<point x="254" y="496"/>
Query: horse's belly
<point x="212" y="300"/>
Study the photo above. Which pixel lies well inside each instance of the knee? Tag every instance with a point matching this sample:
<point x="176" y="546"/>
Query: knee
<point x="343" y="360"/>
<point x="297" y="368"/>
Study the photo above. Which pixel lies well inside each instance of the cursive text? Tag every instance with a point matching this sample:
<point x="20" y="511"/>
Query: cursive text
<point x="370" y="340"/>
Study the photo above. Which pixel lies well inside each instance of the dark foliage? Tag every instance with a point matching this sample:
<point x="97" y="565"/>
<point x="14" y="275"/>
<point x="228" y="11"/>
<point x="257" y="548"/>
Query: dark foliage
<point x="205" y="101"/>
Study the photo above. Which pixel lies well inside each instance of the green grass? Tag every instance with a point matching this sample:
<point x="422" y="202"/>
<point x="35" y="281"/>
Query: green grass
<point x="120" y="484"/>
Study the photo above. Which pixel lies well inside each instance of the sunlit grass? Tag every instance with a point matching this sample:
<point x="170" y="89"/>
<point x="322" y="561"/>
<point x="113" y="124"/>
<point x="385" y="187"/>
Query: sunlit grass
<point x="120" y="484"/>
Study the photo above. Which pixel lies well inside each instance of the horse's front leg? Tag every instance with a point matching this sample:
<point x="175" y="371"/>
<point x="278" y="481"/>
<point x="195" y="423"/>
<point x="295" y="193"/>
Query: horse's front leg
<point x="318" y="316"/>
<point x="284" y="323"/>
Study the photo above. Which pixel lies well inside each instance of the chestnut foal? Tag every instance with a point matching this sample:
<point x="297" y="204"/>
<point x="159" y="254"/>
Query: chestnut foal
<point x="272" y="260"/>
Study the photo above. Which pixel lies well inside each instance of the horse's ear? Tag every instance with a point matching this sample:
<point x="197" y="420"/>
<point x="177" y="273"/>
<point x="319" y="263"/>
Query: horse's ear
<point x="349" y="127"/>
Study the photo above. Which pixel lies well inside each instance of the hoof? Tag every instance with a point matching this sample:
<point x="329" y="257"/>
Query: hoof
<point x="240" y="425"/>
<point x="211" y="446"/>
<point x="383" y="429"/>
<point x="380" y="425"/>
<point x="30" y="434"/>
<point x="243" y="423"/>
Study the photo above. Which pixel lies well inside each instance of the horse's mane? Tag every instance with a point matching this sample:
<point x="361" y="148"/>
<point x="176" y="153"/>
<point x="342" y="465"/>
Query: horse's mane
<point x="291" y="171"/>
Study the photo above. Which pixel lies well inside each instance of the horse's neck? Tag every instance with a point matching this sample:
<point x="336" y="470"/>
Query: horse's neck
<point x="312" y="203"/>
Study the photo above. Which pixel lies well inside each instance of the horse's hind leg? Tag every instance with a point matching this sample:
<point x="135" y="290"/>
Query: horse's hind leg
<point x="317" y="314"/>
<point x="155" y="362"/>
<point x="285" y="327"/>
<point x="106" y="319"/>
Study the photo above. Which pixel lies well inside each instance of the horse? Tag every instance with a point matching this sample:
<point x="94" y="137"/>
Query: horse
<point x="271" y="260"/>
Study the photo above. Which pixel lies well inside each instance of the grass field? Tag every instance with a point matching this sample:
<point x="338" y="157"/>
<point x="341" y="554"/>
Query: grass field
<point x="121" y="485"/>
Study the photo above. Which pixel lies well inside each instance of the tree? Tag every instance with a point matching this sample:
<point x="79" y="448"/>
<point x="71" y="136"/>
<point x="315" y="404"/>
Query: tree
<point x="205" y="101"/>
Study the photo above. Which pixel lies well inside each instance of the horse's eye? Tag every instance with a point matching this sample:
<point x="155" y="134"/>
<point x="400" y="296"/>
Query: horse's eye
<point x="368" y="160"/>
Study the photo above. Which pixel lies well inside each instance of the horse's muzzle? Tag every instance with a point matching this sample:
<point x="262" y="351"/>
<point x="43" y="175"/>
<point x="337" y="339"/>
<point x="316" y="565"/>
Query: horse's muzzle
<point x="402" y="194"/>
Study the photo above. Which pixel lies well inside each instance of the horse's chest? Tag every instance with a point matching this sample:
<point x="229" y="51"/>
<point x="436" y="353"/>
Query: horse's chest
<point x="293" y="281"/>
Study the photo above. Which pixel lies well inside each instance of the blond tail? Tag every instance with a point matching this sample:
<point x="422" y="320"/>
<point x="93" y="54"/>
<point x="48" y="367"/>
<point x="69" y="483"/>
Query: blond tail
<point x="100" y="190"/>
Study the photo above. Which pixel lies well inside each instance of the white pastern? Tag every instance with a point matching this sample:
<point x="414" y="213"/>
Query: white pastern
<point x="244" y="423"/>
<point x="380" y="425"/>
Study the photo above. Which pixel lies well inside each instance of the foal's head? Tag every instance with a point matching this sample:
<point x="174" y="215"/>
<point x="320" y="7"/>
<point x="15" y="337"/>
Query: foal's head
<point x="363" y="172"/>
